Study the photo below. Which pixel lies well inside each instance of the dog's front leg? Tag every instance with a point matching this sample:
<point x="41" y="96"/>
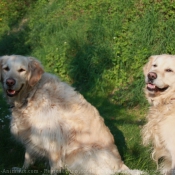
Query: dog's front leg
<point x="28" y="161"/>
<point x="55" y="163"/>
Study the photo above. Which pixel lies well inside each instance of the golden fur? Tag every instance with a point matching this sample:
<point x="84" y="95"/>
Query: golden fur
<point x="52" y="120"/>
<point x="159" y="130"/>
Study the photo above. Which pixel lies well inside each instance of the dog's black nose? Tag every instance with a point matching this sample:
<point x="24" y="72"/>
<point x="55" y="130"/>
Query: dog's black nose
<point x="10" y="82"/>
<point x="152" y="75"/>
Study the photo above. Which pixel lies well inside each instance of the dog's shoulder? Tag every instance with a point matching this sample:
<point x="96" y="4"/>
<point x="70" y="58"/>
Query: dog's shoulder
<point x="51" y="92"/>
<point x="55" y="88"/>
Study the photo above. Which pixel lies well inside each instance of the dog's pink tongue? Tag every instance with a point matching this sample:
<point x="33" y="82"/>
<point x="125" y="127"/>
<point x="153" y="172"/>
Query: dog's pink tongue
<point x="152" y="86"/>
<point x="11" y="91"/>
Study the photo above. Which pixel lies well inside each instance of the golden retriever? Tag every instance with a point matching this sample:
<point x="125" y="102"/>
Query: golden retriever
<point x="54" y="121"/>
<point x="160" y="128"/>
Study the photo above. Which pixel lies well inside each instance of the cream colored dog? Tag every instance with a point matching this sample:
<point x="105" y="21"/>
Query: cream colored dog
<point x="54" y="121"/>
<point x="160" y="128"/>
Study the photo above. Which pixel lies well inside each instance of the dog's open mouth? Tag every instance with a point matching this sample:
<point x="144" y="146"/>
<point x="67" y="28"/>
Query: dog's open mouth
<point x="11" y="92"/>
<point x="153" y="87"/>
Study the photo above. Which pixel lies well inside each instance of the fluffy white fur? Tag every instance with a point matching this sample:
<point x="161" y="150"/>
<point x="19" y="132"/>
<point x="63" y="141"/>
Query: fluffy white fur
<point x="52" y="120"/>
<point x="160" y="127"/>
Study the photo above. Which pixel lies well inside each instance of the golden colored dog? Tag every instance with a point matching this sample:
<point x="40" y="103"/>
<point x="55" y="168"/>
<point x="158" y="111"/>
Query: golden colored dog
<point x="160" y="128"/>
<point x="54" y="121"/>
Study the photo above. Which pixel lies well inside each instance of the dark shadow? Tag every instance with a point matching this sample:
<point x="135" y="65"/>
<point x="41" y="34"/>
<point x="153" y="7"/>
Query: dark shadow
<point x="10" y="150"/>
<point x="89" y="57"/>
<point x="15" y="43"/>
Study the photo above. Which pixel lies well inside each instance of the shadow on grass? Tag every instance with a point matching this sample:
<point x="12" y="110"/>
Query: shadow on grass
<point x="110" y="112"/>
<point x="89" y="55"/>
<point x="15" y="43"/>
<point x="11" y="152"/>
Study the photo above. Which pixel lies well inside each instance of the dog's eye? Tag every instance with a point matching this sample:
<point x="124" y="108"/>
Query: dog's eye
<point x="6" y="68"/>
<point x="154" y="65"/>
<point x="168" y="70"/>
<point x="21" y="70"/>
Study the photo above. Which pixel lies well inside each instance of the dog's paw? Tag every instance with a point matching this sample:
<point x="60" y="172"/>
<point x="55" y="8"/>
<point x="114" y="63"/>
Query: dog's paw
<point x="133" y="172"/>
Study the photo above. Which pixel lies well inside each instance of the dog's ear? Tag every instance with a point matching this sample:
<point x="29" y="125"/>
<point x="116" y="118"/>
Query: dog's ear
<point x="1" y="62"/>
<point x="35" y="71"/>
<point x="148" y="65"/>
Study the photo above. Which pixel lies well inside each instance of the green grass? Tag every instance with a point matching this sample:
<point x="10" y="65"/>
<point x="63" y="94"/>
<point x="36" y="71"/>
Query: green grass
<point x="99" y="47"/>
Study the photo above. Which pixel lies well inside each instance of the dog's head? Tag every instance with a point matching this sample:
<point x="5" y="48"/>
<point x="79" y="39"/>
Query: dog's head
<point x="159" y="75"/>
<point x="17" y="72"/>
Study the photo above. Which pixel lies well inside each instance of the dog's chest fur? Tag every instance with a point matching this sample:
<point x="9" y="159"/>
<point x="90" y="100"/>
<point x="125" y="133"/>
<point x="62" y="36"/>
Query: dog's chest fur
<point x="40" y="123"/>
<point x="39" y="130"/>
<point x="53" y="120"/>
<point x="160" y="129"/>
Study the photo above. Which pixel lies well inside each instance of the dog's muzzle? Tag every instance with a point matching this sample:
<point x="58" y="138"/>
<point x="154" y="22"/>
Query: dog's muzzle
<point x="151" y="77"/>
<point x="10" y="82"/>
<point x="150" y="83"/>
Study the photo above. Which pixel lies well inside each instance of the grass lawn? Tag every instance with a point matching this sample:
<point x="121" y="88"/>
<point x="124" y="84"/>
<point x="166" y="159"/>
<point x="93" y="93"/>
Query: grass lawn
<point x="98" y="46"/>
